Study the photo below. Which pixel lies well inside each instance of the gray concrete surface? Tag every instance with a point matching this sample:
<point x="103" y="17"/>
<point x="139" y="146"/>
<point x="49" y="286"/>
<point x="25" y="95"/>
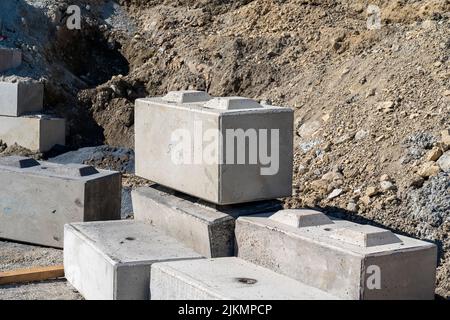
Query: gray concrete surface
<point x="209" y="230"/>
<point x="343" y="258"/>
<point x="226" y="279"/>
<point x="10" y="58"/>
<point x="160" y="158"/>
<point x="112" y="260"/>
<point x="36" y="133"/>
<point x="38" y="198"/>
<point x="19" y="98"/>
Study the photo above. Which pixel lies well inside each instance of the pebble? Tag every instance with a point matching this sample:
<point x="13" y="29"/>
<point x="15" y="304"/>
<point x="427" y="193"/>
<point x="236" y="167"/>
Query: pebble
<point x="428" y="169"/>
<point x="335" y="193"/>
<point x="371" y="191"/>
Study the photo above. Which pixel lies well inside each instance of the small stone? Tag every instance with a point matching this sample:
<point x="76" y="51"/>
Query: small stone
<point x="416" y="181"/>
<point x="445" y="137"/>
<point x="444" y="162"/>
<point x="366" y="200"/>
<point x="336" y="193"/>
<point x="446" y="93"/>
<point x="387" y="186"/>
<point x="361" y="134"/>
<point x="351" y="206"/>
<point x="319" y="185"/>
<point x="434" y="154"/>
<point x="371" y="191"/>
<point x="308" y="129"/>
<point x="428" y="169"/>
<point x="386" y="106"/>
<point x="385" y="177"/>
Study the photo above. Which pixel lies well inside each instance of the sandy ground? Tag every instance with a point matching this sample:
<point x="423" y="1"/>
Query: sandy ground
<point x="20" y="256"/>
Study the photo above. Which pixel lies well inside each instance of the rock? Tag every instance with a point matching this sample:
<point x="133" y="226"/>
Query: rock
<point x="385" y="177"/>
<point x="371" y="191"/>
<point x="345" y="138"/>
<point x="445" y="137"/>
<point x="332" y="175"/>
<point x="366" y="200"/>
<point x="416" y="181"/>
<point x="386" y="106"/>
<point x="444" y="162"/>
<point x="351" y="206"/>
<point x="319" y="185"/>
<point x="336" y="193"/>
<point x="434" y="154"/>
<point x="428" y="169"/>
<point x="361" y="134"/>
<point x="387" y="185"/>
<point x="308" y="129"/>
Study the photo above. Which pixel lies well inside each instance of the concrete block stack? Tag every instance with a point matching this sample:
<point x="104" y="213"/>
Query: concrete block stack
<point x="21" y="104"/>
<point x="211" y="229"/>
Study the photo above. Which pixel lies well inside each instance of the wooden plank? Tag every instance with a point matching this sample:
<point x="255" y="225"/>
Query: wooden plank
<point x="31" y="275"/>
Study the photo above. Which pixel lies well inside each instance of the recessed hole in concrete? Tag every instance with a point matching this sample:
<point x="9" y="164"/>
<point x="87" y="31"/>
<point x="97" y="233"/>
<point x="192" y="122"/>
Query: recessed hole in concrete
<point x="130" y="238"/>
<point x="327" y="229"/>
<point x="247" y="280"/>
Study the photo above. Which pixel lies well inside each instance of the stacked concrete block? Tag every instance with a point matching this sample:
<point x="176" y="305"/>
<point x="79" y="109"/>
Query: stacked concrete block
<point x="10" y="58"/>
<point x="34" y="132"/>
<point x="345" y="259"/>
<point x="204" y="227"/>
<point x="38" y="198"/>
<point x="226" y="279"/>
<point x="20" y="120"/>
<point x="112" y="260"/>
<point x="223" y="150"/>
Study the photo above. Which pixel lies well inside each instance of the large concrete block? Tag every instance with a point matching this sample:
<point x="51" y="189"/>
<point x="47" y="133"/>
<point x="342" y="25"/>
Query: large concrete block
<point x="19" y="98"/>
<point x="345" y="259"/>
<point x="37" y="133"/>
<point x="111" y="260"/>
<point x="223" y="150"/>
<point x="226" y="279"/>
<point x="38" y="198"/>
<point x="10" y="58"/>
<point x="207" y="228"/>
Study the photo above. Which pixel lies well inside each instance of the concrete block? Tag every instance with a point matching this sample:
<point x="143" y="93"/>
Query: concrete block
<point x="223" y="150"/>
<point x="111" y="260"/>
<point x="206" y="228"/>
<point x="226" y="279"/>
<point x="37" y="132"/>
<point x="348" y="260"/>
<point x="38" y="198"/>
<point x="19" y="98"/>
<point x="10" y="58"/>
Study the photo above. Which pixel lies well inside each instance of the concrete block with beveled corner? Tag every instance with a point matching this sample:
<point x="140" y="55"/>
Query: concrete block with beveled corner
<point x="204" y="227"/>
<point x="226" y="279"/>
<point x="346" y="259"/>
<point x="22" y="97"/>
<point x="38" y="198"/>
<point x="111" y="260"/>
<point x="10" y="58"/>
<point x="37" y="132"/>
<point x="223" y="150"/>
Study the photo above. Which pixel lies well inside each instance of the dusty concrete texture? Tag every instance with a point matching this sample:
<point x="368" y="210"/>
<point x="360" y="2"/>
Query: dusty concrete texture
<point x="226" y="279"/>
<point x="35" y="132"/>
<point x="206" y="228"/>
<point x="111" y="260"/>
<point x="340" y="257"/>
<point x="38" y="198"/>
<point x="19" y="98"/>
<point x="213" y="165"/>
